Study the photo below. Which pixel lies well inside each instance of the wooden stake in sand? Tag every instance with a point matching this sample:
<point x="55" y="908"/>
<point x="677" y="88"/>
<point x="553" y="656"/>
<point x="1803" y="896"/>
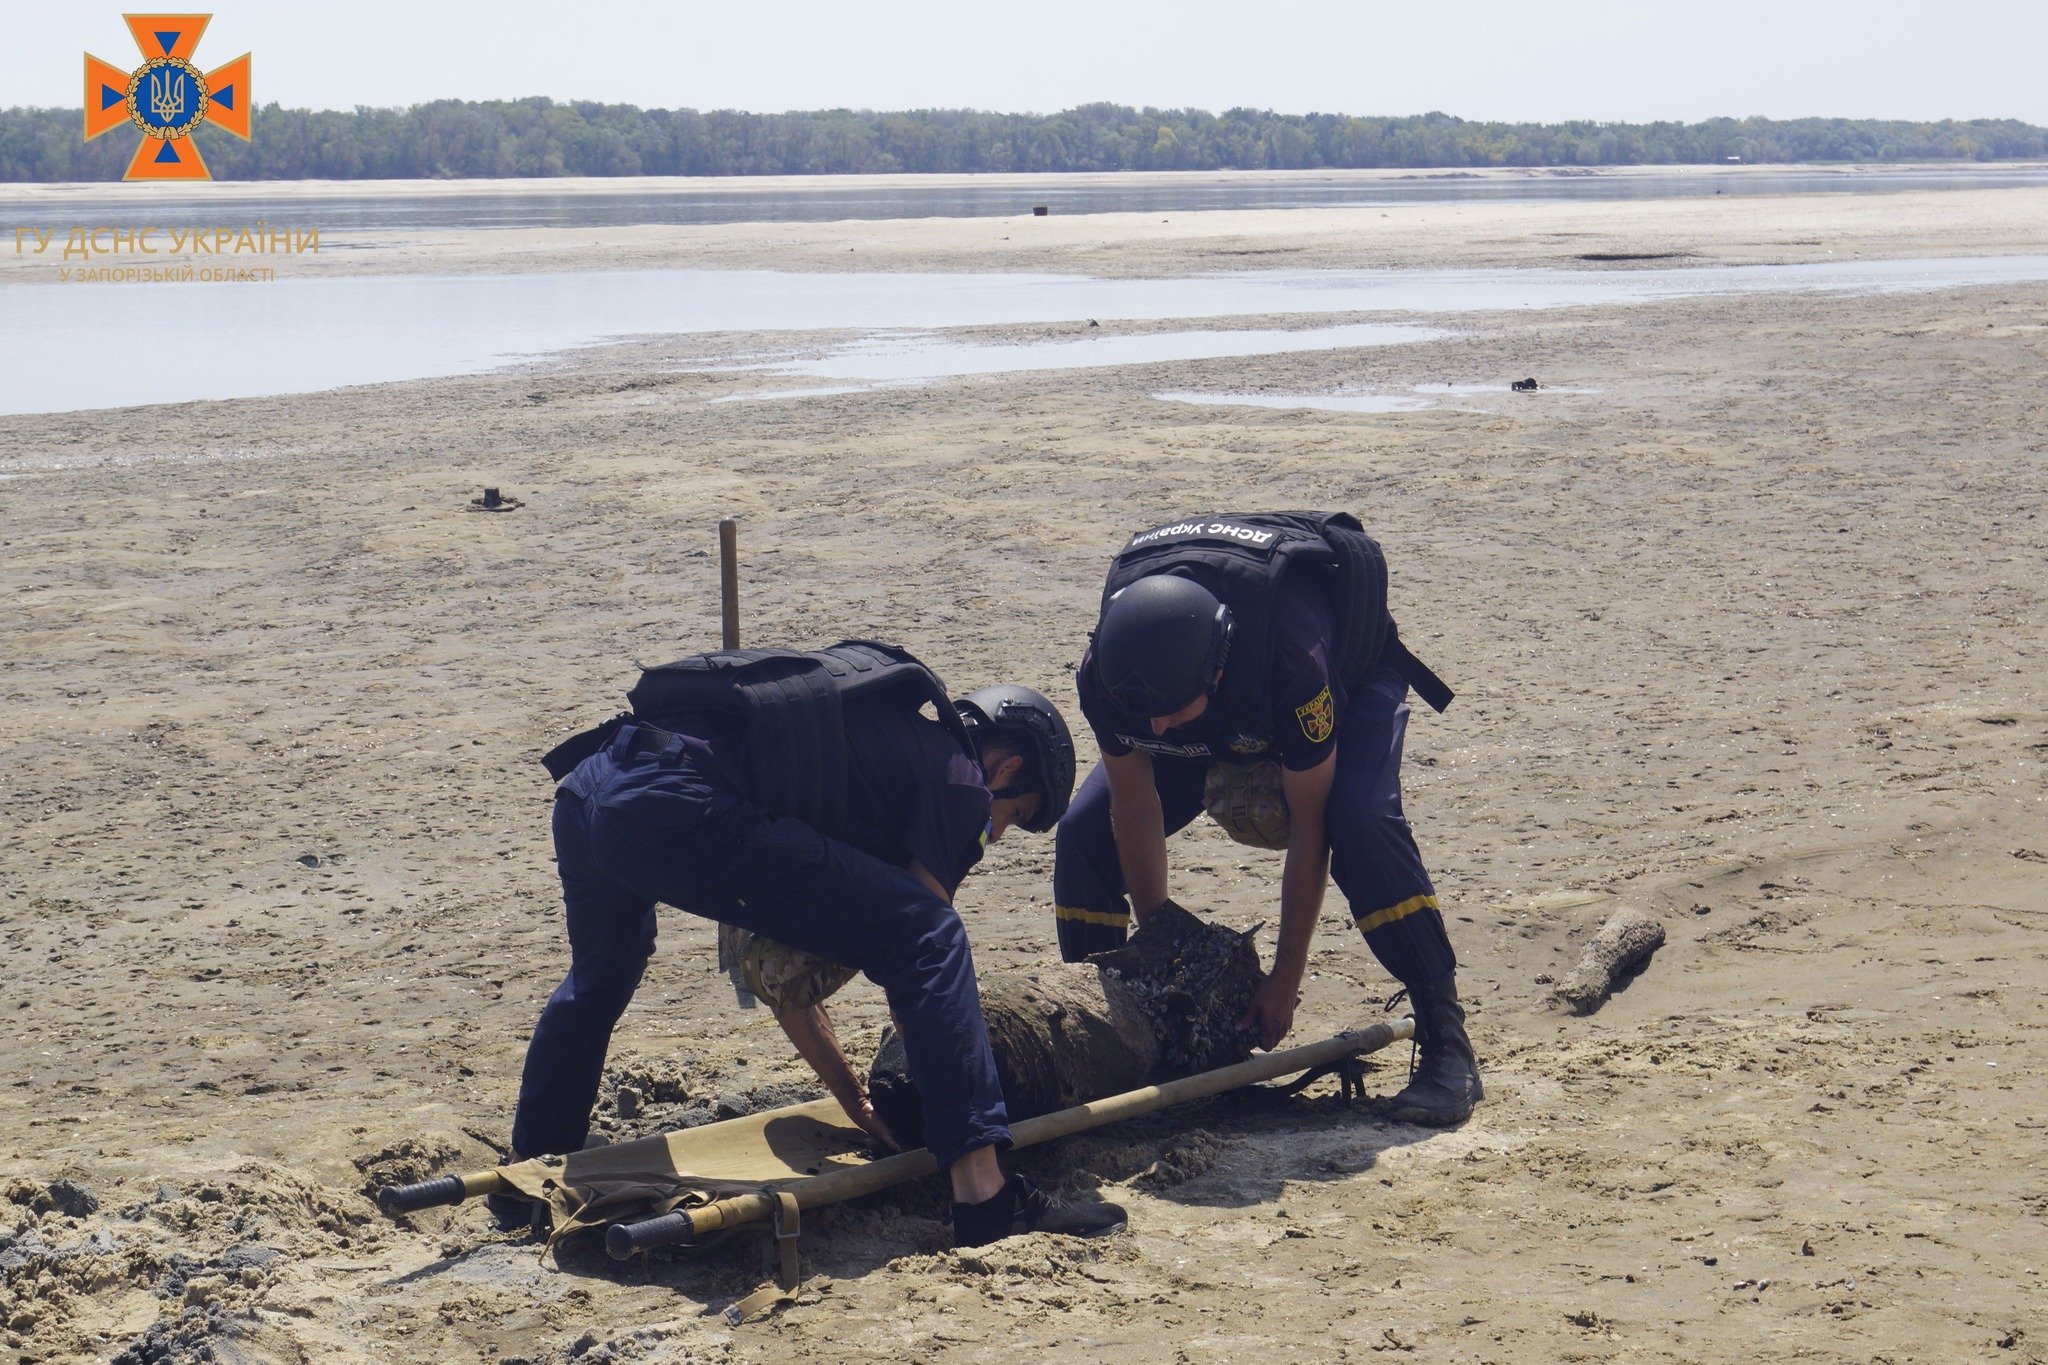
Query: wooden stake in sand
<point x="1620" y="950"/>
<point x="732" y="941"/>
<point x="729" y="581"/>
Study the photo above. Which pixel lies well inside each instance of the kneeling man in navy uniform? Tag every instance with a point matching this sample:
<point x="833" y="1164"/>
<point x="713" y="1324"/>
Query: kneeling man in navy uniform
<point x="805" y="798"/>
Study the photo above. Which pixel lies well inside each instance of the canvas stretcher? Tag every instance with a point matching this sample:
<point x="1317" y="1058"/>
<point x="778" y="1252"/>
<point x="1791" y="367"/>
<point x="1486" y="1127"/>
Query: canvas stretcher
<point x="685" y="1186"/>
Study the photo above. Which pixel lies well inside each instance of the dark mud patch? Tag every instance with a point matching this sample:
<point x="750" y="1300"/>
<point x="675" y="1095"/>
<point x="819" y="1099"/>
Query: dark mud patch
<point x="67" y="1197"/>
<point x="651" y="1116"/>
<point x="58" y="1274"/>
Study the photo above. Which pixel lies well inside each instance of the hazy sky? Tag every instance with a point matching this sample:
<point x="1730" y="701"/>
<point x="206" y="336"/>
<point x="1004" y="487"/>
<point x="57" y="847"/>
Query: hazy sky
<point x="1538" y="60"/>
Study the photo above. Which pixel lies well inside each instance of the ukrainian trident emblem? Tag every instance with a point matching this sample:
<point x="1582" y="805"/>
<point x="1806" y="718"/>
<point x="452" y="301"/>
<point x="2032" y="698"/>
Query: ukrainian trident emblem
<point x="167" y="97"/>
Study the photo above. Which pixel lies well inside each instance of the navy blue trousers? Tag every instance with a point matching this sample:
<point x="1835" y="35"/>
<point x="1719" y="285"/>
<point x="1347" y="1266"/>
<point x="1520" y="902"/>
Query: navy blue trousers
<point x="1373" y="857"/>
<point x="635" y="829"/>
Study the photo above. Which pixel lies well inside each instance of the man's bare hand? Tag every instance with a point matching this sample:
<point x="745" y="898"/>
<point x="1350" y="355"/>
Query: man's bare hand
<point x="862" y="1112"/>
<point x="810" y="1028"/>
<point x="1271" y="1013"/>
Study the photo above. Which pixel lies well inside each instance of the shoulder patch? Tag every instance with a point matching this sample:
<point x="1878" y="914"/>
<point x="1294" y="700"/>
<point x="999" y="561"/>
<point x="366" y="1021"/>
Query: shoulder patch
<point x="1318" y="716"/>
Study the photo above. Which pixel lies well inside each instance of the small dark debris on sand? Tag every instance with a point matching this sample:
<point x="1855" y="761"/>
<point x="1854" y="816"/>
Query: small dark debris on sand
<point x="494" y="501"/>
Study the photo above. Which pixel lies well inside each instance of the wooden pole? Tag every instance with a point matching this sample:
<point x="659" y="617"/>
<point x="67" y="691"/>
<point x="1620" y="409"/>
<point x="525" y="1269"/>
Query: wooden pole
<point x="729" y="581"/>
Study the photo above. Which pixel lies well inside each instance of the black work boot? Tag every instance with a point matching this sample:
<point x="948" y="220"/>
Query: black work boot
<point x="1021" y="1207"/>
<point x="1443" y="1084"/>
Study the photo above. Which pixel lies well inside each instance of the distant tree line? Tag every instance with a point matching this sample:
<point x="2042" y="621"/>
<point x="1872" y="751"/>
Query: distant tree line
<point x="540" y="137"/>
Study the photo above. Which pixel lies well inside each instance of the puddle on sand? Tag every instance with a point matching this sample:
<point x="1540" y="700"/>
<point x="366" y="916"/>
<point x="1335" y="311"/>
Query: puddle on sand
<point x="828" y="391"/>
<point x="1498" y="388"/>
<point x="1323" y="402"/>
<point x="302" y="336"/>
<point x="1353" y="402"/>
<point x="916" y="359"/>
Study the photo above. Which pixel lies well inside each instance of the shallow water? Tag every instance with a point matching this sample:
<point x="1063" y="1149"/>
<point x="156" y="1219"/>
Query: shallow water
<point x="683" y="201"/>
<point x="63" y="347"/>
<point x="826" y="391"/>
<point x="1320" y="402"/>
<point x="920" y="358"/>
<point x="1420" y="398"/>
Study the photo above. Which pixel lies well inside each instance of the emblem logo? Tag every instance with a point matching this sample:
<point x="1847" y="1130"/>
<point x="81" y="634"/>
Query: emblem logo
<point x="167" y="97"/>
<point x="1247" y="744"/>
<point x="1318" y="716"/>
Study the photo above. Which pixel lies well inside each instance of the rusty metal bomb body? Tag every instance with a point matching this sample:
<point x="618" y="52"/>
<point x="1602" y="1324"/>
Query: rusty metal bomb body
<point x="1167" y="1004"/>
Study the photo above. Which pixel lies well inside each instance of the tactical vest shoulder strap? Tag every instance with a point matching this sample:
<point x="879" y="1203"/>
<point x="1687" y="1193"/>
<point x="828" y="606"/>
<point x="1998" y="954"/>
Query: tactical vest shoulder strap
<point x="1359" y="586"/>
<point x="1368" y="635"/>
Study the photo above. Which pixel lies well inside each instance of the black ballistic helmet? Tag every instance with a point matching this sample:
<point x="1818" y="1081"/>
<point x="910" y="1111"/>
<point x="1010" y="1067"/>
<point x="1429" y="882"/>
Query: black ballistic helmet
<point x="1035" y="726"/>
<point x="1160" y="644"/>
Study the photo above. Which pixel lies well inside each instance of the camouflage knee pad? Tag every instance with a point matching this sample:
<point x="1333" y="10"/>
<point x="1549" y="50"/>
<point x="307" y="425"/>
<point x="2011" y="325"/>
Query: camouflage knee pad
<point x="1247" y="799"/>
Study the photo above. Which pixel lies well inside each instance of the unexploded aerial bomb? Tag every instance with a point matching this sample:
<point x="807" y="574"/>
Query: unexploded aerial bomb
<point x="1166" y="1004"/>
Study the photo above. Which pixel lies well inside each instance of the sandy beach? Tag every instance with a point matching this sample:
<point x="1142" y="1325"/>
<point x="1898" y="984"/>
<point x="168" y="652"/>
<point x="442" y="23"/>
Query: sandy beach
<point x="1747" y="633"/>
<point x="1736" y="229"/>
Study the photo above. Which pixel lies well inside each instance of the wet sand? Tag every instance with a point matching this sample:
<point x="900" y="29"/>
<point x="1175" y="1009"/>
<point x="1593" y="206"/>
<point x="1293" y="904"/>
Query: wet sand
<point x="1749" y="638"/>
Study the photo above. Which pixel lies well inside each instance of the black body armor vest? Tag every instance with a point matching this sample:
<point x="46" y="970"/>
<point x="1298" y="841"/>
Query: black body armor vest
<point x="1247" y="556"/>
<point x="793" y="704"/>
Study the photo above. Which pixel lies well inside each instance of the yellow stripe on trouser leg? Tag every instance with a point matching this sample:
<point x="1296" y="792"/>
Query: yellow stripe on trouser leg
<point x="1379" y="918"/>
<point x="1076" y="914"/>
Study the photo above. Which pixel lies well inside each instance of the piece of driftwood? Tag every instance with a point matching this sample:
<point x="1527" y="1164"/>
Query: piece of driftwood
<point x="1620" y="950"/>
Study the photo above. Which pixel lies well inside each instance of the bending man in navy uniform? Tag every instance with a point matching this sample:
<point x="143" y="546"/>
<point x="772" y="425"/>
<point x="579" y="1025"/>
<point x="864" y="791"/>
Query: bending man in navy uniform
<point x="806" y="799"/>
<point x="1264" y="640"/>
